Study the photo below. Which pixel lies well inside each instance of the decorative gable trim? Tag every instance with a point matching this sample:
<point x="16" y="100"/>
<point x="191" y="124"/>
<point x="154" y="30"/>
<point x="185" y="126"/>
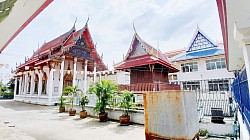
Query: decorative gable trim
<point x="200" y="41"/>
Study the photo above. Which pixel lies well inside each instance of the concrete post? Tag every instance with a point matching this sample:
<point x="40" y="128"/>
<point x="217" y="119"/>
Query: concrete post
<point x="246" y="54"/>
<point x="74" y="72"/>
<point x="61" y="76"/>
<point x="85" y="75"/>
<point x="94" y="72"/>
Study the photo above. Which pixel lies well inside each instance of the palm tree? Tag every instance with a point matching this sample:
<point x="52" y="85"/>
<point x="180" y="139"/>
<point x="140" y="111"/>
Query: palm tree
<point x="103" y="91"/>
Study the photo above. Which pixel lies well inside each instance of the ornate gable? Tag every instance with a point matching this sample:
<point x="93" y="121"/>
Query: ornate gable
<point x="137" y="50"/>
<point x="200" y="41"/>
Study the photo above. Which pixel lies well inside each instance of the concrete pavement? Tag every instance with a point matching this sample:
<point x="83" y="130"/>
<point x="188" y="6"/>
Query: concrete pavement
<point x="21" y="121"/>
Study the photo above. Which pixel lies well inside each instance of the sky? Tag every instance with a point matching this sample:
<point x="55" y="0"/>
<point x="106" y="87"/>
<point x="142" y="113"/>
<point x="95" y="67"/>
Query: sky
<point x="171" y="23"/>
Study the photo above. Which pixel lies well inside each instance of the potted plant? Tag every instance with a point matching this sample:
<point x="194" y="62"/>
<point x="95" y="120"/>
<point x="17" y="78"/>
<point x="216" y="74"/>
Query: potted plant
<point x="126" y="99"/>
<point x="62" y="104"/>
<point x="203" y="133"/>
<point x="103" y="91"/>
<point x="72" y="92"/>
<point x="83" y="101"/>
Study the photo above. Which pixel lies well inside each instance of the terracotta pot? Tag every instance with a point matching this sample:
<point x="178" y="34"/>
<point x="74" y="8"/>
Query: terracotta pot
<point x="72" y="112"/>
<point x="61" y="109"/>
<point x="83" y="114"/>
<point x="124" y="120"/>
<point x="103" y="117"/>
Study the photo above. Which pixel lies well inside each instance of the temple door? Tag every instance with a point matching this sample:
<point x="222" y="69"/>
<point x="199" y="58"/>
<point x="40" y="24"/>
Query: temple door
<point x="68" y="80"/>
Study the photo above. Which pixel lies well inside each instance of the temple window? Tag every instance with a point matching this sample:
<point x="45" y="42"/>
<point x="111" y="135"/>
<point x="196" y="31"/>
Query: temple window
<point x="216" y="64"/>
<point x="218" y="85"/>
<point x="195" y="85"/>
<point x="189" y="67"/>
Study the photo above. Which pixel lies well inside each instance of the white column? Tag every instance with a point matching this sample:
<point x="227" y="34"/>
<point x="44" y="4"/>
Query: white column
<point x="51" y="84"/>
<point x="74" y="72"/>
<point x="61" y="76"/>
<point x="20" y="85"/>
<point x="246" y="54"/>
<point x="85" y="75"/>
<point x="25" y="83"/>
<point x="40" y="76"/>
<point x="15" y="87"/>
<point x="94" y="72"/>
<point x="32" y="83"/>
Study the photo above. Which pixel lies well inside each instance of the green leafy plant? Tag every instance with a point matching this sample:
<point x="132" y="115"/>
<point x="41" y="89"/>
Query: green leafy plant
<point x="126" y="99"/>
<point x="103" y="91"/>
<point x="62" y="101"/>
<point x="203" y="132"/>
<point x="83" y="101"/>
<point x="71" y="92"/>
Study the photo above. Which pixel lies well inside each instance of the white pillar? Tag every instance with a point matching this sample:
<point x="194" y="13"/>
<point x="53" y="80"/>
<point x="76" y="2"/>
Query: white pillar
<point x="40" y="78"/>
<point x="74" y="72"/>
<point x="20" y="85"/>
<point x="15" y="88"/>
<point x="61" y="76"/>
<point x="246" y="54"/>
<point x="25" y="83"/>
<point x="94" y="72"/>
<point x="85" y="75"/>
<point x="51" y="84"/>
<point x="32" y="83"/>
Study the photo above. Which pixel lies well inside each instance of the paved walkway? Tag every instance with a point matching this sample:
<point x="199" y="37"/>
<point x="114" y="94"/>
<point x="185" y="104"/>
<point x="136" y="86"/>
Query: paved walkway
<point x="21" y="121"/>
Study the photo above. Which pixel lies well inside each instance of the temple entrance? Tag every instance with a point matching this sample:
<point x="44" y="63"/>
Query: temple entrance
<point x="68" y="80"/>
<point x="29" y="83"/>
<point x="36" y="84"/>
<point x="17" y="87"/>
<point x="44" y="83"/>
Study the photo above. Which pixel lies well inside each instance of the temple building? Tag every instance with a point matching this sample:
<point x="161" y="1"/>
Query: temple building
<point x="202" y="65"/>
<point x="64" y="61"/>
<point x="148" y="68"/>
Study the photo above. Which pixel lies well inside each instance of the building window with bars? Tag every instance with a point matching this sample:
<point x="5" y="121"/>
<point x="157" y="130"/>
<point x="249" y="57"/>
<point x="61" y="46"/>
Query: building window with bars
<point x="189" y="67"/>
<point x="216" y="64"/>
<point x="195" y="85"/>
<point x="218" y="85"/>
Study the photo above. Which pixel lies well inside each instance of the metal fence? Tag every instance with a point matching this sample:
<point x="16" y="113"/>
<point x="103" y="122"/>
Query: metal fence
<point x="241" y="95"/>
<point x="213" y="93"/>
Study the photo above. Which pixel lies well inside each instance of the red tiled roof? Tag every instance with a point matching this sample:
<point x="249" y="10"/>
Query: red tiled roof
<point x="55" y="42"/>
<point x="153" y="56"/>
<point x="145" y="60"/>
<point x="174" y="53"/>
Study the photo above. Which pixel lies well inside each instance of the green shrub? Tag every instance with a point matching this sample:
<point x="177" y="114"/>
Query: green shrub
<point x="203" y="132"/>
<point x="7" y="95"/>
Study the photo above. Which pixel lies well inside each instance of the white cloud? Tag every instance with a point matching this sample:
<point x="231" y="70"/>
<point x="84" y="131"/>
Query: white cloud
<point x="171" y="22"/>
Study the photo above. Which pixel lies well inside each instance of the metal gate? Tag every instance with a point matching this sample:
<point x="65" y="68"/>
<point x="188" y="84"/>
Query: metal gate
<point x="213" y="93"/>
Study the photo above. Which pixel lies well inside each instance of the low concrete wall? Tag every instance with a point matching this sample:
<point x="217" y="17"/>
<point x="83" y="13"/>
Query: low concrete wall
<point x="136" y="116"/>
<point x="170" y="115"/>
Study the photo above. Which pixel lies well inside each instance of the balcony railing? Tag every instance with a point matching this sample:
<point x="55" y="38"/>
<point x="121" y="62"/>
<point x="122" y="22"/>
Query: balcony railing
<point x="138" y="88"/>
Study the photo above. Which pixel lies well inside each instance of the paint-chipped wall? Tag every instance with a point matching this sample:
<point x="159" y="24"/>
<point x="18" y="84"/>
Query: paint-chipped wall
<point x="171" y="114"/>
